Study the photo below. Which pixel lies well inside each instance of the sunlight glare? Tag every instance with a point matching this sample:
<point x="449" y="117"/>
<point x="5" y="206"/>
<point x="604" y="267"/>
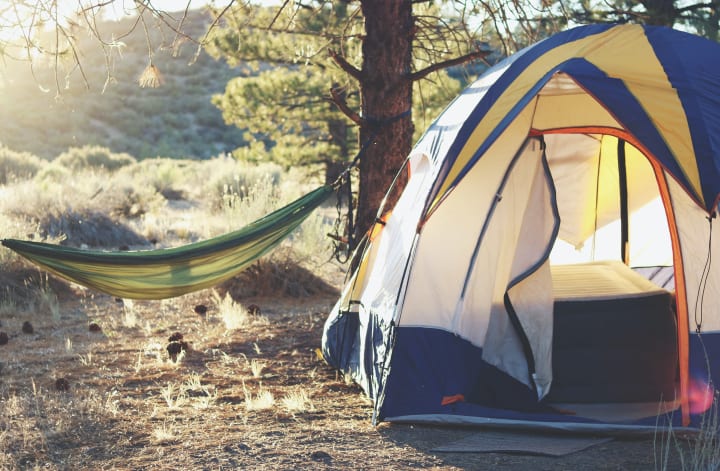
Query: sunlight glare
<point x="700" y="396"/>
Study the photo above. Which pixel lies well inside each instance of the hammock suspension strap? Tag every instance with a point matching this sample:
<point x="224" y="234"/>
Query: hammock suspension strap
<point x="344" y="239"/>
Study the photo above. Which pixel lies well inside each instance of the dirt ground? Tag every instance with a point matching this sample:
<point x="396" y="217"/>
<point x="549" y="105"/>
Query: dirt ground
<point x="94" y="386"/>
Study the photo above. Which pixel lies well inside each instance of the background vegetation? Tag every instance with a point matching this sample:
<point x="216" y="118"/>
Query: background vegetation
<point x="176" y="119"/>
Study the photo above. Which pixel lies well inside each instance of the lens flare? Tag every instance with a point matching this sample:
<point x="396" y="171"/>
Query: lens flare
<point x="700" y="396"/>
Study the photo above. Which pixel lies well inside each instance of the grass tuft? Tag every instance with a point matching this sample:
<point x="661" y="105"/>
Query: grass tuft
<point x="175" y="397"/>
<point x="257" y="367"/>
<point x="297" y="400"/>
<point x="262" y="400"/>
<point x="163" y="434"/>
<point x="233" y="314"/>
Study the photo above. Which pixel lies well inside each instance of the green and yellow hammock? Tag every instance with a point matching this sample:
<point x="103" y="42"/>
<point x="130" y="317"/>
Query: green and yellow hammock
<point x="165" y="273"/>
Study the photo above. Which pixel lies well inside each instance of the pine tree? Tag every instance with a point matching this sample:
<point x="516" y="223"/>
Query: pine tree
<point x="519" y="24"/>
<point x="365" y="59"/>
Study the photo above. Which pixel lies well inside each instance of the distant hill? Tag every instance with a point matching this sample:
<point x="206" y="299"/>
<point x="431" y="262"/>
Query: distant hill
<point x="174" y="120"/>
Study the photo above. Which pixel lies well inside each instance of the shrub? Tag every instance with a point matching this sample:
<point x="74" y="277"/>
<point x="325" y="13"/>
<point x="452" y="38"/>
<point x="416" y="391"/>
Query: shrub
<point x="172" y="178"/>
<point x="18" y="165"/>
<point x="52" y="173"/>
<point x="243" y="185"/>
<point x="90" y="228"/>
<point x="96" y="157"/>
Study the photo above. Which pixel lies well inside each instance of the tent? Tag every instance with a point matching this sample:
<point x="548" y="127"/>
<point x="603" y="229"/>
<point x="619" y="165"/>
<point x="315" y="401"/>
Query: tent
<point x="517" y="280"/>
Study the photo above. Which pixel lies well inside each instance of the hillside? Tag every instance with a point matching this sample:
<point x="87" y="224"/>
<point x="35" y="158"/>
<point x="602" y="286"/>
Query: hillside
<point x="174" y="120"/>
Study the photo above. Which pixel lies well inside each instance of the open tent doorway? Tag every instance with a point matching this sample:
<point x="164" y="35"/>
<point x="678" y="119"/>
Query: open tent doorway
<point x="615" y="337"/>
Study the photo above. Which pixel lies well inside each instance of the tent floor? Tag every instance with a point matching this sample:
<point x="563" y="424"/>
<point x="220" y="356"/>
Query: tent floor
<point x="618" y="412"/>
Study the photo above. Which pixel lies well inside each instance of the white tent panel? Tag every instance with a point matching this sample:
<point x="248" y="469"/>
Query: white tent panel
<point x="532" y="297"/>
<point x="392" y="246"/>
<point x="574" y="161"/>
<point x="699" y="245"/>
<point x="371" y="282"/>
<point x="650" y="244"/>
<point x="533" y="301"/>
<point x="493" y="267"/>
<point x="448" y="237"/>
<point x="518" y="235"/>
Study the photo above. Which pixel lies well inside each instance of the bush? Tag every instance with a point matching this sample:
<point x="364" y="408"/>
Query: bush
<point x="52" y="173"/>
<point x="17" y="165"/>
<point x="253" y="185"/>
<point x="169" y="177"/>
<point x="88" y="227"/>
<point x="97" y="157"/>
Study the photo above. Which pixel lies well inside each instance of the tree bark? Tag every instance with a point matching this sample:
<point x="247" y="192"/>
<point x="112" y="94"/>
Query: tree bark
<point x="386" y="89"/>
<point x="660" y="12"/>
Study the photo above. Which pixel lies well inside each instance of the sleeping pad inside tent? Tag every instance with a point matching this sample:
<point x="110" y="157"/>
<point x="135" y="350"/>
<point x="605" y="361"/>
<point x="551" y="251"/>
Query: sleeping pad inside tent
<point x="550" y="260"/>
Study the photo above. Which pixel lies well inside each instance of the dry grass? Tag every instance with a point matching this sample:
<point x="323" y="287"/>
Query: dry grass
<point x="125" y="392"/>
<point x="298" y="400"/>
<point x="262" y="400"/>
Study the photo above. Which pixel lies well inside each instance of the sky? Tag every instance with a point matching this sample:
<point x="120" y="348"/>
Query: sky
<point x="9" y="27"/>
<point x="120" y="6"/>
<point x="175" y="5"/>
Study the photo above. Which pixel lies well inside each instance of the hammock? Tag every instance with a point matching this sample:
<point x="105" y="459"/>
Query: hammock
<point x="165" y="273"/>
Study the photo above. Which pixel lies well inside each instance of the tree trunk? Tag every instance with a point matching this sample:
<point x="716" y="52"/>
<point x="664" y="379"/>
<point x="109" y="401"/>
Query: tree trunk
<point x="386" y="91"/>
<point x="660" y="12"/>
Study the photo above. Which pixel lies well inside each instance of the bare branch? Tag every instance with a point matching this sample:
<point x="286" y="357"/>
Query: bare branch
<point x="277" y="15"/>
<point x="176" y="40"/>
<point x="339" y="100"/>
<point x="448" y="63"/>
<point x="353" y="71"/>
<point x="147" y="33"/>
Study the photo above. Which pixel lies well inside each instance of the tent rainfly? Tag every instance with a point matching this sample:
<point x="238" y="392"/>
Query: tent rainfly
<point x="549" y="262"/>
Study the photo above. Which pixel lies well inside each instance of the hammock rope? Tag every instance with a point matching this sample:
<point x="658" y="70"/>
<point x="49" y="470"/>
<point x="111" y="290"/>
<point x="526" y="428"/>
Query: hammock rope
<point x="166" y="273"/>
<point x="346" y="242"/>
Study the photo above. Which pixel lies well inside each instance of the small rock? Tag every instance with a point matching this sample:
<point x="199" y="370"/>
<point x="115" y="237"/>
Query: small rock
<point x="62" y="384"/>
<point x="201" y="309"/>
<point x="27" y="328"/>
<point x="94" y="327"/>
<point x="174" y="348"/>
<point x="229" y="449"/>
<point x="320" y="456"/>
<point x="253" y="310"/>
<point x="4" y="339"/>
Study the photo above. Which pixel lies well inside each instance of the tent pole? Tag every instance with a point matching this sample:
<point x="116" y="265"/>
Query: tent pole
<point x="622" y="182"/>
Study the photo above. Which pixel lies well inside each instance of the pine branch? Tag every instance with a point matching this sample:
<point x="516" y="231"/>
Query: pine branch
<point x="448" y="63"/>
<point x="346" y="66"/>
<point x="338" y="98"/>
<point x="696" y="6"/>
